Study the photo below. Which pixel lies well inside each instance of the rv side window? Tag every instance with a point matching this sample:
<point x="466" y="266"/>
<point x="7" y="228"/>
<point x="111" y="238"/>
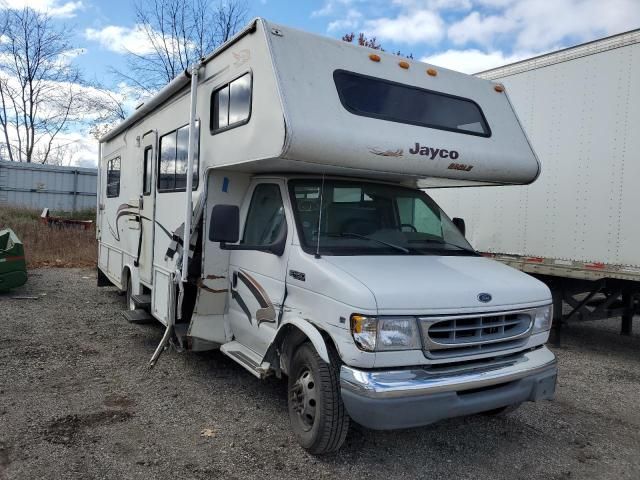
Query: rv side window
<point x="113" y="177"/>
<point x="174" y="149"/>
<point x="231" y="104"/>
<point x="377" y="98"/>
<point x="148" y="169"/>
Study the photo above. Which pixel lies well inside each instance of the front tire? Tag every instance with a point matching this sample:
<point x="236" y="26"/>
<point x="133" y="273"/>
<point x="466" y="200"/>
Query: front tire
<point x="318" y="417"/>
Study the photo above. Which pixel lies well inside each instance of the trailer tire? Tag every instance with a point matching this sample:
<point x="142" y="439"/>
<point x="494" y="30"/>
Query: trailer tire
<point x="318" y="418"/>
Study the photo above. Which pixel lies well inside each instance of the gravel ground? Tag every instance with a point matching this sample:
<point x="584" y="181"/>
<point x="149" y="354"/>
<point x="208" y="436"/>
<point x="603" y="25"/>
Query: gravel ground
<point x="77" y="401"/>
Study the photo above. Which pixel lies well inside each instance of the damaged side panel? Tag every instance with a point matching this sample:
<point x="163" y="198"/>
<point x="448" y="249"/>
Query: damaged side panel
<point x="208" y="321"/>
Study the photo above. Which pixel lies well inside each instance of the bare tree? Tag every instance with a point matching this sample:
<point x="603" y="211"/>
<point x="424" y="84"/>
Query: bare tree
<point x="178" y="33"/>
<point x="372" y="42"/>
<point x="37" y="95"/>
<point x="363" y="41"/>
<point x="108" y="107"/>
<point x="42" y="93"/>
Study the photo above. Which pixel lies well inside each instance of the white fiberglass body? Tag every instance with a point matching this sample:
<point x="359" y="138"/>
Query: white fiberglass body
<point x="311" y="246"/>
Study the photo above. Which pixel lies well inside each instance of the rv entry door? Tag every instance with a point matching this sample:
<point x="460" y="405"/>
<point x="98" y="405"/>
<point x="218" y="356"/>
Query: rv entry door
<point x="147" y="206"/>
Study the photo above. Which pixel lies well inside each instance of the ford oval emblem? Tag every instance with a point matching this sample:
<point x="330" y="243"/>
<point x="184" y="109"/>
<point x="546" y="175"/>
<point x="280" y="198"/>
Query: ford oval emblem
<point x="484" y="297"/>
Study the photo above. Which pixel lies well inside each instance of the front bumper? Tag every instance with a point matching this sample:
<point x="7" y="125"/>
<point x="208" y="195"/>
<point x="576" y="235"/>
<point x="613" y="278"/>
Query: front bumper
<point x="390" y="399"/>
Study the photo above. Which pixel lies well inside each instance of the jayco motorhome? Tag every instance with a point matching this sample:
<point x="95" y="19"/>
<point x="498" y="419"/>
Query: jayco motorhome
<point x="267" y="203"/>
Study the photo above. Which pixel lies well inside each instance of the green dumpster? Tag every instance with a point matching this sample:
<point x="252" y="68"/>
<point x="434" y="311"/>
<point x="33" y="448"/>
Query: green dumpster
<point x="13" y="268"/>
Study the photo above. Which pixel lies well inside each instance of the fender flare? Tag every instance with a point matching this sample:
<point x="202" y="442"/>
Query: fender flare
<point x="312" y="333"/>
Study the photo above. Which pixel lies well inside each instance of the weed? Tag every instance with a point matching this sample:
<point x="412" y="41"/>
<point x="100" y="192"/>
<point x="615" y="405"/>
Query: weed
<point x="49" y="246"/>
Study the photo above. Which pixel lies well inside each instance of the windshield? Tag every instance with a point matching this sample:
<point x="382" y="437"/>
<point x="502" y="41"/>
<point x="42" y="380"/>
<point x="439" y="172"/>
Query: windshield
<point x="360" y="218"/>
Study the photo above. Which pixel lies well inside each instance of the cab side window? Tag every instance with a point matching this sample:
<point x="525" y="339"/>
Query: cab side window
<point x="113" y="178"/>
<point x="265" y="219"/>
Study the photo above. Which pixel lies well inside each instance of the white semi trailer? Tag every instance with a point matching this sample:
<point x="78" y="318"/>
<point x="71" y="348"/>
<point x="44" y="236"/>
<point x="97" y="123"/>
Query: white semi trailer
<point x="287" y="165"/>
<point x="577" y="227"/>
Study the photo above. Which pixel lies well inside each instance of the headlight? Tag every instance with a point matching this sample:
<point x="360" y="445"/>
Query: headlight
<point x="385" y="334"/>
<point x="543" y="317"/>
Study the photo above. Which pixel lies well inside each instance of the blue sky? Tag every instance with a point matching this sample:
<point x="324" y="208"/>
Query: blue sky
<point x="468" y="35"/>
<point x="465" y="35"/>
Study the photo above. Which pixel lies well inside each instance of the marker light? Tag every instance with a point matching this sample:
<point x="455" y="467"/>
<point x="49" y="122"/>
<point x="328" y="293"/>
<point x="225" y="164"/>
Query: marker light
<point x="404" y="64"/>
<point x="499" y="88"/>
<point x="432" y="72"/>
<point x="365" y="331"/>
<point x="374" y="58"/>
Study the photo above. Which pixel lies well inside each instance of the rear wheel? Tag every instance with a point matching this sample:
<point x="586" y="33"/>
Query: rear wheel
<point x="318" y="417"/>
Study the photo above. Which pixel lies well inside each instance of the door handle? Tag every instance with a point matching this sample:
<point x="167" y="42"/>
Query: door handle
<point x="234" y="280"/>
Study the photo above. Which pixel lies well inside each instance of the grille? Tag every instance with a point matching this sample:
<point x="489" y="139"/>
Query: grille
<point x="473" y="334"/>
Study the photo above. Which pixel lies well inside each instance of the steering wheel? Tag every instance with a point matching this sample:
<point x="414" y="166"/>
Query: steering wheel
<point x="408" y="225"/>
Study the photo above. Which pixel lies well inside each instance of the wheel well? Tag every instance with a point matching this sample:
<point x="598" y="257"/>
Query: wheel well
<point x="288" y="339"/>
<point x="126" y="277"/>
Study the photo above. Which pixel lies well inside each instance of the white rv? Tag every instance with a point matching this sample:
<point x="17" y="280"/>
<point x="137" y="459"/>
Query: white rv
<point x="290" y="166"/>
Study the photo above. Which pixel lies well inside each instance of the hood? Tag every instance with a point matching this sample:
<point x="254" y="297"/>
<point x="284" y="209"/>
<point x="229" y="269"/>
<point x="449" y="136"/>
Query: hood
<point x="430" y="283"/>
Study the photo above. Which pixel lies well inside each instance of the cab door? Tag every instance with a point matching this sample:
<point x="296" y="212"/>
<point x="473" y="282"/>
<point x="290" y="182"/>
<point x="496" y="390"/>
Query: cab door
<point x="258" y="276"/>
<point x="147" y="207"/>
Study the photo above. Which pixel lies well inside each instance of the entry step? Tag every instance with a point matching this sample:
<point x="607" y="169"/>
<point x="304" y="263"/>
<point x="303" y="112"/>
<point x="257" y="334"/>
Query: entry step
<point x="245" y="357"/>
<point x="142" y="301"/>
<point x="137" y="316"/>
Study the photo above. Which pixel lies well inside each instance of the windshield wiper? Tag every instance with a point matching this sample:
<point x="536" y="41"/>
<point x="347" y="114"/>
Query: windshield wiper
<point x="442" y="242"/>
<point x="381" y="242"/>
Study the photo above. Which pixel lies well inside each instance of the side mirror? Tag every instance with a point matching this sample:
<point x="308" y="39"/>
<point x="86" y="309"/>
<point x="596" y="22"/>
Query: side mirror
<point x="459" y="222"/>
<point x="279" y="245"/>
<point x="224" y="226"/>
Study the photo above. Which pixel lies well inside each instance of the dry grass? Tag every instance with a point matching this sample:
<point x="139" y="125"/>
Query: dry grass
<point x="50" y="246"/>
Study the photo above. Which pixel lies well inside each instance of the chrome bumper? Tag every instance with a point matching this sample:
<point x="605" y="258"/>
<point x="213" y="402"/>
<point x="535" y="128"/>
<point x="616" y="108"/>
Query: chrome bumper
<point x="392" y="399"/>
<point x="416" y="382"/>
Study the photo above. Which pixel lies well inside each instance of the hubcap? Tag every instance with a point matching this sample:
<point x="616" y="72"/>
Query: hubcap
<point x="304" y="399"/>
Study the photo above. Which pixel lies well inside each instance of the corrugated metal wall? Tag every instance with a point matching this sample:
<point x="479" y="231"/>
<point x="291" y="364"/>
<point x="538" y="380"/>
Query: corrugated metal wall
<point x="581" y="110"/>
<point x="38" y="186"/>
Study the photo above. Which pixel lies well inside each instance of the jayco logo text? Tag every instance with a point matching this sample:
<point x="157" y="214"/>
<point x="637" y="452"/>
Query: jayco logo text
<point x="432" y="153"/>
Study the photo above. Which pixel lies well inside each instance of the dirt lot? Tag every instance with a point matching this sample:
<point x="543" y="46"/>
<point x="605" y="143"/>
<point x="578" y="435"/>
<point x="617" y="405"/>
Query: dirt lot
<point x="77" y="401"/>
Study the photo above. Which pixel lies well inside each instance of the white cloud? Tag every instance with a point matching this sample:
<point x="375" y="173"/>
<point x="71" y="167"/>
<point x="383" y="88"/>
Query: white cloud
<point x="55" y="8"/>
<point x="331" y="7"/>
<point x="536" y="24"/>
<point x="350" y="22"/>
<point x="434" y="4"/>
<point x="544" y="24"/>
<point x="482" y="30"/>
<point x="121" y="39"/>
<point x="473" y="60"/>
<point x="422" y="26"/>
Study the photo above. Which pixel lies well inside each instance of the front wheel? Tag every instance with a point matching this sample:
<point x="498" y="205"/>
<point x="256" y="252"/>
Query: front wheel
<point x="318" y="417"/>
